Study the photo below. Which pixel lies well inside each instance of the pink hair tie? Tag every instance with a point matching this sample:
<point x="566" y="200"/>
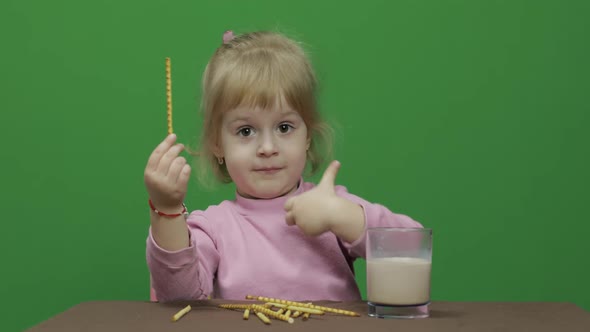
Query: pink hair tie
<point x="228" y="36"/>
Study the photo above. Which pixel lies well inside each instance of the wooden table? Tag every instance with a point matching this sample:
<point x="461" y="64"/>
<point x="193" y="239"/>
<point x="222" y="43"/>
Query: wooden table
<point x="206" y="316"/>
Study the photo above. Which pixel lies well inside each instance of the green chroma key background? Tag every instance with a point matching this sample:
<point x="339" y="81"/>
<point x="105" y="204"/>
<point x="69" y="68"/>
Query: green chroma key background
<point x="470" y="116"/>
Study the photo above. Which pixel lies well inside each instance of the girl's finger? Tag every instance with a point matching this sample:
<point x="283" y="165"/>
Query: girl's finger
<point x="290" y="218"/>
<point x="175" y="168"/>
<point x="168" y="158"/>
<point x="184" y="175"/>
<point x="289" y="204"/>
<point x="159" y="151"/>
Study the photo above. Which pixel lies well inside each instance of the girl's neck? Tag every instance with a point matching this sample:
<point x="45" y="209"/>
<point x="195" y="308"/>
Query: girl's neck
<point x="287" y="193"/>
<point x="253" y="205"/>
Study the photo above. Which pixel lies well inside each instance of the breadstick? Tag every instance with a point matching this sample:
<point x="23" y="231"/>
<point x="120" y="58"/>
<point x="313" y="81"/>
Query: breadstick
<point x="263" y="318"/>
<point x="181" y="313"/>
<point x="297" y="310"/>
<point x="304" y="305"/>
<point x="306" y="314"/>
<point x="246" y="314"/>
<point x="169" y="95"/>
<point x="236" y="306"/>
<point x="309" y="310"/>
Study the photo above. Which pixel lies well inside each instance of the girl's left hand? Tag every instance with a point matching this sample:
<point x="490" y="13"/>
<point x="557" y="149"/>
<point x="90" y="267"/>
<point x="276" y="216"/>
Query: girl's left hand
<point x="315" y="211"/>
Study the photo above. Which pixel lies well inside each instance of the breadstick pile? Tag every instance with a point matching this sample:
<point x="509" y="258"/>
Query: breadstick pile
<point x="283" y="310"/>
<point x="286" y="310"/>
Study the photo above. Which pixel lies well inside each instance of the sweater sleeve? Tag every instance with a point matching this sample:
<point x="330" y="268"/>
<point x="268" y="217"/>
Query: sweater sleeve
<point x="186" y="274"/>
<point x="376" y="215"/>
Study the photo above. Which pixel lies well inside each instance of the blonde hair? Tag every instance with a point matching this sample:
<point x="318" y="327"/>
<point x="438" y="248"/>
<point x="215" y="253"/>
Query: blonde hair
<point x="255" y="69"/>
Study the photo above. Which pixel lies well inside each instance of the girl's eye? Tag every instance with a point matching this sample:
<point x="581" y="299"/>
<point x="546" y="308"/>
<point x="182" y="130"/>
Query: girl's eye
<point x="285" y="128"/>
<point x="246" y="131"/>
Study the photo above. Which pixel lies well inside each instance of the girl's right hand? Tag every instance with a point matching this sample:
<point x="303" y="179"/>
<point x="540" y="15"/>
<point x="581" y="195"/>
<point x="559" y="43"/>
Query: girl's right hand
<point x="166" y="176"/>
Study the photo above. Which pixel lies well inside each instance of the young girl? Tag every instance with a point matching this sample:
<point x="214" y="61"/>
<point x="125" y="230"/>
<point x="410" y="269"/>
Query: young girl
<point x="280" y="237"/>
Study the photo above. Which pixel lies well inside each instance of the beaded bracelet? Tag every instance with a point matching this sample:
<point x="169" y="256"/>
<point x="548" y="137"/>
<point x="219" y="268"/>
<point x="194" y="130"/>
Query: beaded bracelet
<point x="183" y="212"/>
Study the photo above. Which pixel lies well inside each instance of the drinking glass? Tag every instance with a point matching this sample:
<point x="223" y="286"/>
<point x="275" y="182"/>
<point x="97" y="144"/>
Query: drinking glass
<point x="399" y="264"/>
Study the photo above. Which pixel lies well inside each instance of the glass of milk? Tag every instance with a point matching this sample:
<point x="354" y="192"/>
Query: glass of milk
<point x="398" y="272"/>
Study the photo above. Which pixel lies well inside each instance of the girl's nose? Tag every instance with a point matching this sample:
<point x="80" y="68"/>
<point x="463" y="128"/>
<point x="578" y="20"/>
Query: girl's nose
<point x="268" y="146"/>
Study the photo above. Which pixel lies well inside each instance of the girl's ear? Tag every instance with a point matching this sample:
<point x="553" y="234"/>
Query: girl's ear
<point x="307" y="143"/>
<point x="217" y="151"/>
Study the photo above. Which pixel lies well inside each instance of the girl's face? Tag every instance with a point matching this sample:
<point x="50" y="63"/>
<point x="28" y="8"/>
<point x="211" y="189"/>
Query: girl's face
<point x="264" y="149"/>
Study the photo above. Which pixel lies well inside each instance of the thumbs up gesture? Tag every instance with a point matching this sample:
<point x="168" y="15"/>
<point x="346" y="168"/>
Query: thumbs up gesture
<point x="320" y="209"/>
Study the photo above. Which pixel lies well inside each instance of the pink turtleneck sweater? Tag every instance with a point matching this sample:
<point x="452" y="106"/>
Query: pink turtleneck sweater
<point x="244" y="246"/>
